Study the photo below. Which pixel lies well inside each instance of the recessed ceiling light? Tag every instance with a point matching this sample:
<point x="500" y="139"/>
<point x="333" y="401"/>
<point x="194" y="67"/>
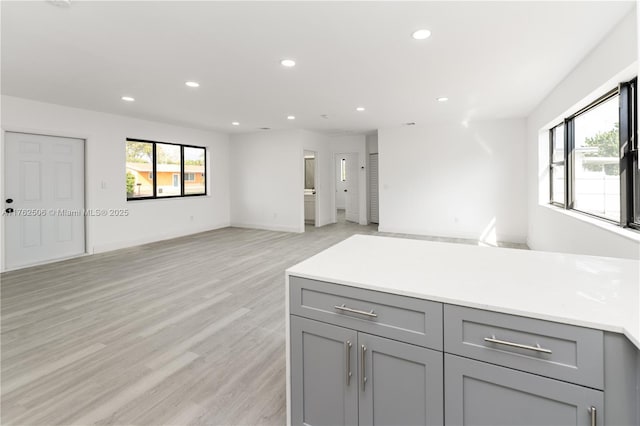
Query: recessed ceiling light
<point x="127" y="98"/>
<point x="192" y="84"/>
<point x="288" y="63"/>
<point x="442" y="99"/>
<point x="421" y="34"/>
<point x="360" y="109"/>
<point x="235" y="123"/>
<point x="291" y="117"/>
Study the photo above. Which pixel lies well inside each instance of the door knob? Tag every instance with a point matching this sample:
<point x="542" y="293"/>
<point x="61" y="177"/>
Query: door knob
<point x="9" y="200"/>
<point x="345" y="190"/>
<point x="9" y="210"/>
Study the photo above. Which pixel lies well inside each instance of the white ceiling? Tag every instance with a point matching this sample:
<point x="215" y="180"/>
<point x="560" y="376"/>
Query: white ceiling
<point x="492" y="59"/>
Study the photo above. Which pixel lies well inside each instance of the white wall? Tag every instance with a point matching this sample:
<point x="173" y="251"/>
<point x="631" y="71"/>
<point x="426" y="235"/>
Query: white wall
<point x="356" y="144"/>
<point x="267" y="179"/>
<point x="551" y="229"/>
<point x="455" y="181"/>
<point x="105" y="135"/>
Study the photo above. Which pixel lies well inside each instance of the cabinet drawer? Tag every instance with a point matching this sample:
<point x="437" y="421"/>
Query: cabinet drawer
<point x="560" y="351"/>
<point x="401" y="318"/>
<point x="477" y="393"/>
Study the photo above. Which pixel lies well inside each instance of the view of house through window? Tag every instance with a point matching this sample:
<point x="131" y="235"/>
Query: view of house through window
<point x="168" y="174"/>
<point x="597" y="161"/>
<point x="139" y="169"/>
<point x="156" y="170"/>
<point x="194" y="159"/>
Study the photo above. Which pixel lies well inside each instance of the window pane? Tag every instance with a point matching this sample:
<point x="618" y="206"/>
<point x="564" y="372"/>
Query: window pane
<point x="139" y="169"/>
<point x="168" y="175"/>
<point x="343" y="170"/>
<point x="636" y="191"/>
<point x="557" y="176"/>
<point x="194" y="170"/>
<point x="558" y="143"/>
<point x="597" y="161"/>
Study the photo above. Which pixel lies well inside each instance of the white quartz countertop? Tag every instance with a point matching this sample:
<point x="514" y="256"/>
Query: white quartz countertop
<point x="595" y="292"/>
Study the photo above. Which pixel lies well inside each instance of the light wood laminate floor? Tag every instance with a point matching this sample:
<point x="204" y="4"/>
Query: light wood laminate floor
<point x="185" y="331"/>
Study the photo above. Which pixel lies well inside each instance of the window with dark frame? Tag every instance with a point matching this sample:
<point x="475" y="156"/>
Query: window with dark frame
<point x="557" y="165"/>
<point x="593" y="159"/>
<point x="168" y="170"/>
<point x="636" y="190"/>
<point x="164" y="170"/>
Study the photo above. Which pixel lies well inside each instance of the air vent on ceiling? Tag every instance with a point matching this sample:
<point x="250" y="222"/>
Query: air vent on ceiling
<point x="60" y="3"/>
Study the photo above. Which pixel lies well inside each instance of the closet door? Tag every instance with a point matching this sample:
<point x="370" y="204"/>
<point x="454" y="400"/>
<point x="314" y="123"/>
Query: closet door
<point x="322" y="390"/>
<point x="373" y="188"/>
<point x="400" y="384"/>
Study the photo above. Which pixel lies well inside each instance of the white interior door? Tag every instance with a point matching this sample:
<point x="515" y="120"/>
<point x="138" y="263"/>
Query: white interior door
<point x="44" y="185"/>
<point x="349" y="186"/>
<point x="373" y="187"/>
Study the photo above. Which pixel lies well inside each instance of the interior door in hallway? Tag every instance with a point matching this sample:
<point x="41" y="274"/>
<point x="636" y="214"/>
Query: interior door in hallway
<point x="44" y="198"/>
<point x="347" y="185"/>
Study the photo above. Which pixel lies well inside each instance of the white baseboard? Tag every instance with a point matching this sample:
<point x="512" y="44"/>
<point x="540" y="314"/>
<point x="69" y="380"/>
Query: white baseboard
<point x="518" y="239"/>
<point x="101" y="248"/>
<point x="277" y="228"/>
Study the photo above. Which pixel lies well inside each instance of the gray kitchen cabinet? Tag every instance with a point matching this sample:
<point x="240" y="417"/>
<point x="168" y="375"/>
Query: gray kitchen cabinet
<point x="360" y="356"/>
<point x="478" y="393"/>
<point x="340" y="375"/>
<point x="395" y="357"/>
<point x="323" y="392"/>
<point x="403" y="382"/>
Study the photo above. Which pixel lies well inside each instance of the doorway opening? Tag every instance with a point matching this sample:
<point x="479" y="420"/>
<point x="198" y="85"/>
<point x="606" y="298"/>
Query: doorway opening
<point x="347" y="200"/>
<point x="310" y="188"/>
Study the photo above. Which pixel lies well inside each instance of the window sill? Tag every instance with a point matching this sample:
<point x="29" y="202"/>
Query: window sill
<point x="628" y="233"/>
<point x="169" y="197"/>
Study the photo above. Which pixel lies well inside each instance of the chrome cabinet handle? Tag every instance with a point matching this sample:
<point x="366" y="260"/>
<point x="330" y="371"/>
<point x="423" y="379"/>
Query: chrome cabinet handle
<point x="355" y="311"/>
<point x="363" y="350"/>
<point x="594" y="413"/>
<point x="536" y="348"/>
<point x="347" y="346"/>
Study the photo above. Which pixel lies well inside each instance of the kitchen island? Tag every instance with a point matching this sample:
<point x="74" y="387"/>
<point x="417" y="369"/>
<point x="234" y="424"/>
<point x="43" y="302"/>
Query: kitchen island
<point x="397" y="331"/>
